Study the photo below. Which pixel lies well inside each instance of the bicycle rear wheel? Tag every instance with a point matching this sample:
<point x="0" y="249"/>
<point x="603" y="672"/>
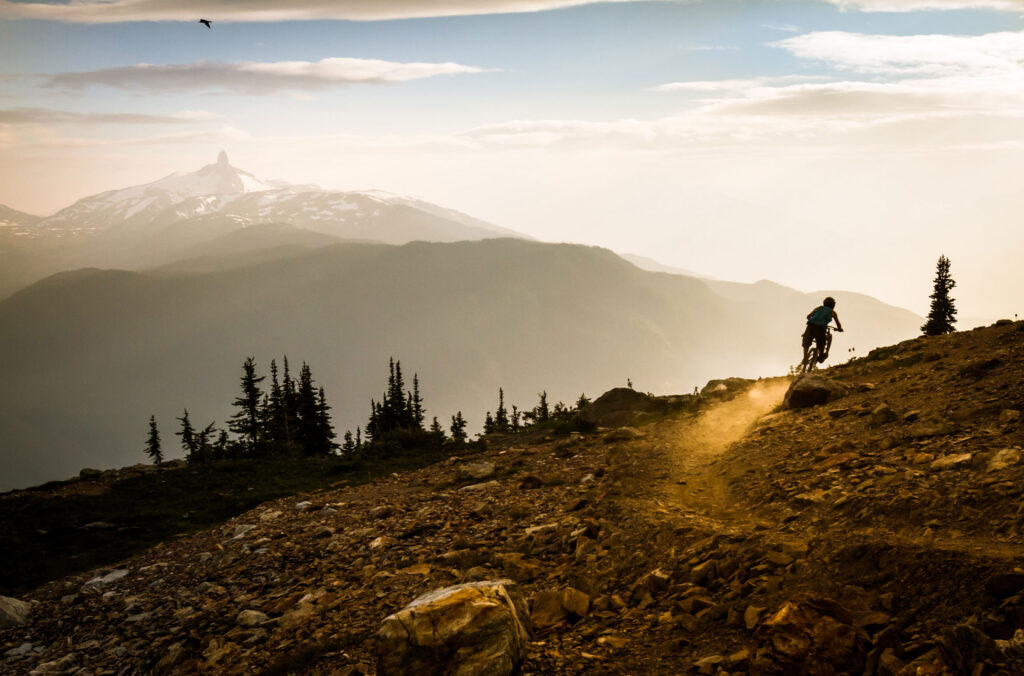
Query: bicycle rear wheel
<point x="811" y="362"/>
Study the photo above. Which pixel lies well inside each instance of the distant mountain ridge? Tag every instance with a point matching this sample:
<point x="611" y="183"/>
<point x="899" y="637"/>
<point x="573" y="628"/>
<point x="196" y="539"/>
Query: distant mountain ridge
<point x="88" y="356"/>
<point x="169" y="219"/>
<point x="12" y="218"/>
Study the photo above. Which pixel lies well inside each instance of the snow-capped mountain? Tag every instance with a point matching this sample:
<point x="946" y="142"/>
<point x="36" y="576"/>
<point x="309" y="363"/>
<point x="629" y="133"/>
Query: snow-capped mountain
<point x="189" y="214"/>
<point x="140" y="204"/>
<point x="236" y="196"/>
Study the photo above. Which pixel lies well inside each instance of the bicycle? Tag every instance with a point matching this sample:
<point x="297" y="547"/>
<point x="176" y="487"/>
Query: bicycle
<point x="811" y="362"/>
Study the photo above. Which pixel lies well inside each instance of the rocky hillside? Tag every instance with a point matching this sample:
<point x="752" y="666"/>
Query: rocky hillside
<point x="870" y="524"/>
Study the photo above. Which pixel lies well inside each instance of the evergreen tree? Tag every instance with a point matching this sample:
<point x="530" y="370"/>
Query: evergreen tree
<point x="246" y="422"/>
<point x="501" y="415"/>
<point x="325" y="430"/>
<point x="153" y="442"/>
<point x="582" y="402"/>
<point x="488" y="423"/>
<point x="515" y="418"/>
<point x="349" y="446"/>
<point x="436" y="430"/>
<point x="308" y="425"/>
<point x="289" y="403"/>
<point x="418" y="413"/>
<point x="398" y="409"/>
<point x="220" y="449"/>
<point x="359" y="438"/>
<point x="458" y="428"/>
<point x="543" y="412"/>
<point x="278" y="417"/>
<point x="942" y="314"/>
<point x="188" y="437"/>
<point x="374" y="424"/>
<point x="204" y="449"/>
<point x="395" y="409"/>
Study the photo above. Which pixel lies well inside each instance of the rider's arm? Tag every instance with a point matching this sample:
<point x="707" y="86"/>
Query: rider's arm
<point x="836" y="317"/>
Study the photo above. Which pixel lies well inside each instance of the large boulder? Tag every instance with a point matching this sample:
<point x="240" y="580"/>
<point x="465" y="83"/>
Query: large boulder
<point x="481" y="469"/>
<point x="813" y="390"/>
<point x="624" y="406"/>
<point x="725" y="387"/>
<point x="473" y="629"/>
<point x="812" y="635"/>
<point x="13" y="612"/>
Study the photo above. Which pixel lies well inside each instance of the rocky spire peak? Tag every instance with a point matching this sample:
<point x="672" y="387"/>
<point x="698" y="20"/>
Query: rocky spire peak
<point x="222" y="158"/>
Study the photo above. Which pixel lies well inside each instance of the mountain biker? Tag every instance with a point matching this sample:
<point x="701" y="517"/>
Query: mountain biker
<point x="817" y="320"/>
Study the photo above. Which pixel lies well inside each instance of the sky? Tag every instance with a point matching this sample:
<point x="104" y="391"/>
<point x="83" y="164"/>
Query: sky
<point x="826" y="144"/>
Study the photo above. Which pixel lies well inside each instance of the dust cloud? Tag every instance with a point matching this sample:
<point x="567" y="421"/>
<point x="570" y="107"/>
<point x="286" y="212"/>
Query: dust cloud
<point x="727" y="422"/>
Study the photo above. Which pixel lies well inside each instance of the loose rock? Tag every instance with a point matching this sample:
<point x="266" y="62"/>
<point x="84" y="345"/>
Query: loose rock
<point x="13" y="612"/>
<point x="472" y="629"/>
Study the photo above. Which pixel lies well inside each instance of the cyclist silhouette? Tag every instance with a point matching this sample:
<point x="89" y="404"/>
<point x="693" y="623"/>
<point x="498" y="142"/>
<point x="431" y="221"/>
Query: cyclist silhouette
<point x="817" y="320"/>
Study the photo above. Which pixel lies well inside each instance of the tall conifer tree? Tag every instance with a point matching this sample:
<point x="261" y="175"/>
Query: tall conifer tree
<point x="188" y="437"/>
<point x="153" y="442"/>
<point x="458" y="428"/>
<point x="277" y="418"/>
<point x="325" y="430"/>
<point x="501" y="415"/>
<point x="246" y="422"/>
<point x="418" y="413"/>
<point x="308" y="426"/>
<point x="942" y="315"/>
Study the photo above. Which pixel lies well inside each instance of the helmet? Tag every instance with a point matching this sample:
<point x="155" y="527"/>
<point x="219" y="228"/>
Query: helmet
<point x="830" y="301"/>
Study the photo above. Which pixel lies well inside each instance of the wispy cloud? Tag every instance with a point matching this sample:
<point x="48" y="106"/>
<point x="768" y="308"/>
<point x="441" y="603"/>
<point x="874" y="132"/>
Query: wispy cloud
<point x="48" y="116"/>
<point x="924" y="5"/>
<point x="113" y="11"/>
<point x="52" y="139"/>
<point x="734" y="85"/>
<point x="251" y="77"/>
<point x="784" y="27"/>
<point x="921" y="55"/>
<point x="913" y="93"/>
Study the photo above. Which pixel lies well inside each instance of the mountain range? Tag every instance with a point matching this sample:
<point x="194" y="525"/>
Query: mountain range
<point x="161" y="292"/>
<point x="180" y="215"/>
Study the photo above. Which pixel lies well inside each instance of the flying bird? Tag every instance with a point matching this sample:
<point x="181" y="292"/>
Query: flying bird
<point x="206" y="22"/>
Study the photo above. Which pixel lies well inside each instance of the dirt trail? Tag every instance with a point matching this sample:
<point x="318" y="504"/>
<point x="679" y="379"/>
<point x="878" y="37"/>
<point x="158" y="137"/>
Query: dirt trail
<point x="691" y="446"/>
<point x="693" y="485"/>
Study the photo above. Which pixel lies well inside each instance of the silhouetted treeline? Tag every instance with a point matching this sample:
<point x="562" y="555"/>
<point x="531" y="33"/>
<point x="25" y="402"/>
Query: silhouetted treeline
<point x="396" y="421"/>
<point x="559" y="418"/>
<point x="292" y="418"/>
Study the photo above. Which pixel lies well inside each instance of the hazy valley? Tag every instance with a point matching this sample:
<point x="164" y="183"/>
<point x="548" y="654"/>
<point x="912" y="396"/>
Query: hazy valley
<point x="217" y="265"/>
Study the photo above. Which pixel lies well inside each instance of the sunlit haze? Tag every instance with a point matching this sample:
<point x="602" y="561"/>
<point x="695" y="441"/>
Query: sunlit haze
<point x="836" y="144"/>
